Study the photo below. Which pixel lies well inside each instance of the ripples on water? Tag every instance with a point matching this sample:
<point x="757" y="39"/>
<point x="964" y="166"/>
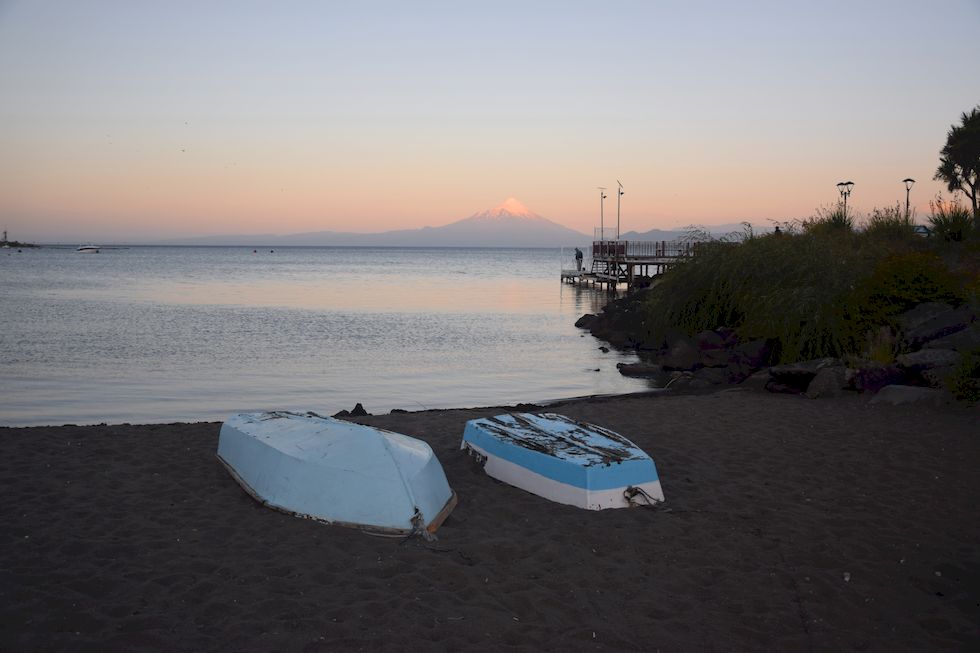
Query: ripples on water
<point x="159" y="334"/>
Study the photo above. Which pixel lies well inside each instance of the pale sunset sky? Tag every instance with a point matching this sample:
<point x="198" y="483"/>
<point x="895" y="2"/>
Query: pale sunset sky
<point x="131" y="120"/>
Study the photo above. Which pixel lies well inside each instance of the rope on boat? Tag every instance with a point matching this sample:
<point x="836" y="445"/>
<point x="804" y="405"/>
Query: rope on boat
<point x="634" y="494"/>
<point x="419" y="529"/>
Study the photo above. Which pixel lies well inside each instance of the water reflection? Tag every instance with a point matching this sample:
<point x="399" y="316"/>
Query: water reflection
<point x="160" y="334"/>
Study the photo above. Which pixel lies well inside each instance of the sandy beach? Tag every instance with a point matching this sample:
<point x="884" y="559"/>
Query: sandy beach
<point x="789" y="525"/>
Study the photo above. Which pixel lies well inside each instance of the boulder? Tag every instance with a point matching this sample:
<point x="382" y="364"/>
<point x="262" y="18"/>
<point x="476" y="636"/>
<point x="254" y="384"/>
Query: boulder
<point x="936" y="377"/>
<point x="829" y="382"/>
<point x="872" y="377"/>
<point x="586" y="321"/>
<point x="682" y="355"/>
<point x="799" y="375"/>
<point x="926" y="359"/>
<point x="754" y="353"/>
<point x="757" y="381"/>
<point x="909" y="394"/>
<point x="711" y="376"/>
<point x="932" y="320"/>
<point x="966" y="340"/>
<point x="717" y="357"/>
<point x="645" y="370"/>
<point x="708" y="340"/>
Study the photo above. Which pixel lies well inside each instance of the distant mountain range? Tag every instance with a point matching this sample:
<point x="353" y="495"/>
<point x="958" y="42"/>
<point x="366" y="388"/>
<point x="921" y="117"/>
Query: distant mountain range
<point x="510" y="224"/>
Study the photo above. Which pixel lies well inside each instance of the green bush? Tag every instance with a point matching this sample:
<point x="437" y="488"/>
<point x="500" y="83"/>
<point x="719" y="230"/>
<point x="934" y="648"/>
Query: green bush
<point x="902" y="281"/>
<point x="964" y="382"/>
<point x="817" y="293"/>
<point x="890" y="223"/>
<point x="950" y="221"/>
<point x="829" y="221"/>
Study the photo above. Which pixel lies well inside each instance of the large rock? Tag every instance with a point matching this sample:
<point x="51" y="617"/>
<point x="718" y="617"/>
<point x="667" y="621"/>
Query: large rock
<point x="926" y="359"/>
<point x="754" y="353"/>
<point x="872" y="377"/>
<point x="909" y="394"/>
<point x="718" y="357"/>
<point x="720" y="338"/>
<point x="933" y="320"/>
<point x="829" y="382"/>
<point x="586" y="321"/>
<point x="682" y="355"/>
<point x="757" y="381"/>
<point x="966" y="340"/>
<point x="938" y="376"/>
<point x="712" y="376"/>
<point x="644" y="370"/>
<point x="799" y="375"/>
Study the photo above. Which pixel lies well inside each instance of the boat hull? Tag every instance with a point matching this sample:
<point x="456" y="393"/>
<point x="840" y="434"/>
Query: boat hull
<point x="337" y="472"/>
<point x="564" y="461"/>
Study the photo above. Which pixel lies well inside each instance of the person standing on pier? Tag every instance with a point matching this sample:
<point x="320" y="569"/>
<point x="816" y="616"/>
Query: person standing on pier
<point x="578" y="259"/>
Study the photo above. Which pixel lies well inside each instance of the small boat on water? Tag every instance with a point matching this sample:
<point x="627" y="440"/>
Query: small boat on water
<point x="337" y="472"/>
<point x="564" y="460"/>
<point x="88" y="249"/>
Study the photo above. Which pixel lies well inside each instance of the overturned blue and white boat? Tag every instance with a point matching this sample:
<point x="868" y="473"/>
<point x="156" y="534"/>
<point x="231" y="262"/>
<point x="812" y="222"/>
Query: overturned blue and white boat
<point x="563" y="460"/>
<point x="337" y="472"/>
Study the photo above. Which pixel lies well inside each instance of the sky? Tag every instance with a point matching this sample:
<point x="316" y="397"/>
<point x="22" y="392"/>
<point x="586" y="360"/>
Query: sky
<point x="132" y="120"/>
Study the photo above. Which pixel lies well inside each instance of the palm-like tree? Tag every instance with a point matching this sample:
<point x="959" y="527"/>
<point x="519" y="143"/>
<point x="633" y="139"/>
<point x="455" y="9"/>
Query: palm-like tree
<point x="959" y="160"/>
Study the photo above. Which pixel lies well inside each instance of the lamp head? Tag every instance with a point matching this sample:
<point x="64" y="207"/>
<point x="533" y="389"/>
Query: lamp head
<point x="908" y="183"/>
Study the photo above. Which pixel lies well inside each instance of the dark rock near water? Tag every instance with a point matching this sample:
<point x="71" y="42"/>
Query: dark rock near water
<point x="829" y="382"/>
<point x="936" y="377"/>
<point x="800" y="375"/>
<point x="359" y="411"/>
<point x="934" y="335"/>
<point x="754" y="353"/>
<point x="933" y="320"/>
<point x="872" y="377"/>
<point x="340" y="414"/>
<point x="646" y="370"/>
<point x="926" y="359"/>
<point x="757" y="381"/>
<point x="682" y="355"/>
<point x="907" y="394"/>
<point x="966" y="340"/>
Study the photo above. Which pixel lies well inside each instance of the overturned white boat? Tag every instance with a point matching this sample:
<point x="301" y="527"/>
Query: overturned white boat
<point x="563" y="460"/>
<point x="337" y="472"/>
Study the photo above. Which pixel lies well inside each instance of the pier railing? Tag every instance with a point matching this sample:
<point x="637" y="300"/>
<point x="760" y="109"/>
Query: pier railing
<point x="644" y="249"/>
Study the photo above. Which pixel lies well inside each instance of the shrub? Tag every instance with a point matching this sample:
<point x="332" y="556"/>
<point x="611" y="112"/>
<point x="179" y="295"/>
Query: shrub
<point x="815" y="293"/>
<point x="829" y="221"/>
<point x="964" y="382"/>
<point x="902" y="281"/>
<point x="890" y="223"/>
<point x="951" y="221"/>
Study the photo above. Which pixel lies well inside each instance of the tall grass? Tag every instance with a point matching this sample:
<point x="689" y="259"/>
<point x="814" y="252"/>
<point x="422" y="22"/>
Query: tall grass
<point x="891" y="223"/>
<point x="817" y="293"/>
<point x="830" y="221"/>
<point x="951" y="221"/>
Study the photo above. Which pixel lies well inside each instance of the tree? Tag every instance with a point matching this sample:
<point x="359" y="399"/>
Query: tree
<point x="959" y="160"/>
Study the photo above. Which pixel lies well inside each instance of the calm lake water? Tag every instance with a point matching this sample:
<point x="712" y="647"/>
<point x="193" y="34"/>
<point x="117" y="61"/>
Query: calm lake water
<point x="162" y="334"/>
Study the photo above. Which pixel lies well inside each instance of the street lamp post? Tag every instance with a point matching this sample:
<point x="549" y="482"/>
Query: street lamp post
<point x="618" y="196"/>
<point x="602" y="222"/>
<point x="908" y="187"/>
<point x="845" y="191"/>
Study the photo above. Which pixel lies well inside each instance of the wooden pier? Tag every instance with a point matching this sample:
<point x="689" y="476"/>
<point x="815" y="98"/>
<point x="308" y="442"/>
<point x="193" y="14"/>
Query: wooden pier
<point x="624" y="261"/>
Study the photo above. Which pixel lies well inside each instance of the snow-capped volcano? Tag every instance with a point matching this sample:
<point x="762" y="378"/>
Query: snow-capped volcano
<point x="510" y="224"/>
<point x="510" y="208"/>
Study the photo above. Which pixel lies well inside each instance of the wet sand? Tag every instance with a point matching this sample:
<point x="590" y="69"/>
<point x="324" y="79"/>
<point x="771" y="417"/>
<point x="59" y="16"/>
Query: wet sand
<point x="789" y="525"/>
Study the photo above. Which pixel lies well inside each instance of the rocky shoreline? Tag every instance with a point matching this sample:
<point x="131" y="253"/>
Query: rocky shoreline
<point x="912" y="361"/>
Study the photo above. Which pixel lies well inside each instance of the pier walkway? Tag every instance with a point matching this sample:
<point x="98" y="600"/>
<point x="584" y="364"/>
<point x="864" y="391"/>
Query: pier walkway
<point x="625" y="261"/>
